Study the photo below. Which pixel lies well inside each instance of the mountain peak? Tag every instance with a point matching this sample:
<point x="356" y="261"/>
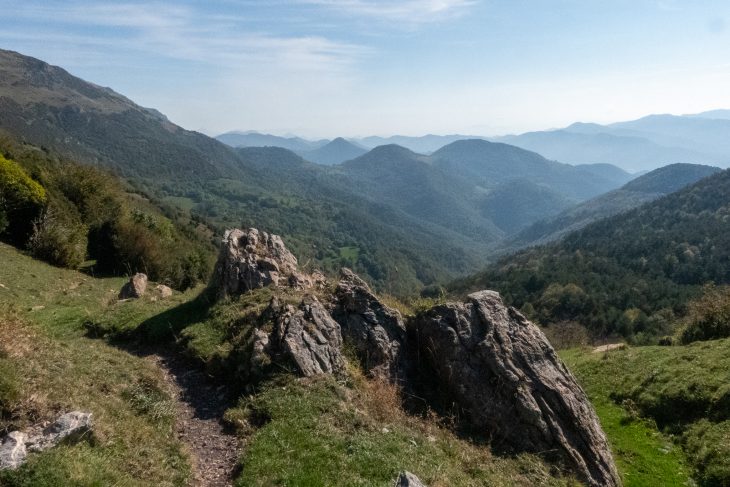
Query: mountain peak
<point x="334" y="152"/>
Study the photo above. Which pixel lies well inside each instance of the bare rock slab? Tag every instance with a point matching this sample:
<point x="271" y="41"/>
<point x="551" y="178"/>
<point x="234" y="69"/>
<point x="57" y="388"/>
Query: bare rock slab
<point x="501" y="370"/>
<point x="70" y="427"/>
<point x="12" y="450"/>
<point x="163" y="291"/>
<point x="310" y="338"/>
<point x="376" y="331"/>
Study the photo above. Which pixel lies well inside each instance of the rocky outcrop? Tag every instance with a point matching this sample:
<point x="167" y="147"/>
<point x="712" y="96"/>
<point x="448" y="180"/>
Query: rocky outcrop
<point x="501" y="370"/>
<point x="305" y="336"/>
<point x="135" y="287"/>
<point x="250" y="259"/>
<point x="376" y="331"/>
<point x="407" y="479"/>
<point x="68" y="428"/>
<point x="310" y="338"/>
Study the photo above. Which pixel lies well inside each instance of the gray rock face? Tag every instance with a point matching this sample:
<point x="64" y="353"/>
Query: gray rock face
<point x="68" y="428"/>
<point x="407" y="479"/>
<point x="135" y="288"/>
<point x="12" y="450"/>
<point x="503" y="372"/>
<point x="376" y="331"/>
<point x="310" y="338"/>
<point x="250" y="259"/>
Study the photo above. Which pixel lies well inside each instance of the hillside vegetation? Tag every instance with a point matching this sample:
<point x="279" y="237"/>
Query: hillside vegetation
<point x="682" y="389"/>
<point x="66" y="214"/>
<point x="641" y="190"/>
<point x="630" y="274"/>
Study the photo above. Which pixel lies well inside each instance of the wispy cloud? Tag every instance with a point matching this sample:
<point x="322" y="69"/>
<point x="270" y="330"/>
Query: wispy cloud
<point x="184" y="33"/>
<point x="407" y="11"/>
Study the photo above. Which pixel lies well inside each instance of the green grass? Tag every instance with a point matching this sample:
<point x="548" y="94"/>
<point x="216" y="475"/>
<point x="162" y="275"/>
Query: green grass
<point x="57" y="369"/>
<point x="644" y="455"/>
<point x="320" y="432"/>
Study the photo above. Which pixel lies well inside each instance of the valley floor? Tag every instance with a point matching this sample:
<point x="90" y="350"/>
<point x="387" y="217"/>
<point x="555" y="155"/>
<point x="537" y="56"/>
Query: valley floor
<point x="162" y="419"/>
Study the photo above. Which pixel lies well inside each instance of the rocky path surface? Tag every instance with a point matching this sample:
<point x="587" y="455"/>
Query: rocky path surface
<point x="200" y="406"/>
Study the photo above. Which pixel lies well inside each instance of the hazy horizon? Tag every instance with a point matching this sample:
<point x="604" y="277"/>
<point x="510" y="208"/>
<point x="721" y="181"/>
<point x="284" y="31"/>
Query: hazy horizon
<point x="328" y="68"/>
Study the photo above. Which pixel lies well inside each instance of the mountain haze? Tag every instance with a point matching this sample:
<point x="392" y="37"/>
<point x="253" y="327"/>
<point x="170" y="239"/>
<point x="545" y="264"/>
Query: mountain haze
<point x="489" y="163"/>
<point x="334" y="152"/>
<point x="638" y="145"/>
<point x="255" y="139"/>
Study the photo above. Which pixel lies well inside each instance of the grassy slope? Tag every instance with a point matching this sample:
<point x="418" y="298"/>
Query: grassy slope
<point x="297" y="432"/>
<point x="55" y="368"/>
<point x="319" y="432"/>
<point x="684" y="389"/>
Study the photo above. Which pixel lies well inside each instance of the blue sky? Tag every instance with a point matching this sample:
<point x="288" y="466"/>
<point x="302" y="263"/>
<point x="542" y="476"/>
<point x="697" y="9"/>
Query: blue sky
<point x="362" y="67"/>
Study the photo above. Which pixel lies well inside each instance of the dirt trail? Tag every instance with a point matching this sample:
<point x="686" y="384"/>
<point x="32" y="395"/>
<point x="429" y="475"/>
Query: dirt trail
<point x="200" y="407"/>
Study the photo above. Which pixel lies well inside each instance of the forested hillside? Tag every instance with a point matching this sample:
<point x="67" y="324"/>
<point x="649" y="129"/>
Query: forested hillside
<point x="72" y="215"/>
<point x="643" y="189"/>
<point x="630" y="274"/>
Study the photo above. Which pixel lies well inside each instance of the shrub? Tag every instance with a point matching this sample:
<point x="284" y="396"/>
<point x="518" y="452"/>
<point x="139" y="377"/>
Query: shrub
<point x="59" y="239"/>
<point x="567" y="335"/>
<point x="139" y="242"/>
<point x="91" y="191"/>
<point x="709" y="316"/>
<point x="21" y="201"/>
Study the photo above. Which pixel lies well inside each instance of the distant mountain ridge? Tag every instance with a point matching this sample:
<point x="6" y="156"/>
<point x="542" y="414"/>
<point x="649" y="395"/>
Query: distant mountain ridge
<point x="255" y="139"/>
<point x="638" y="145"/>
<point x="481" y="189"/>
<point x="335" y="152"/>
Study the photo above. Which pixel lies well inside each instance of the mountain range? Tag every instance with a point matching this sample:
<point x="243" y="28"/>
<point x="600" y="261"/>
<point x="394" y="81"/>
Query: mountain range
<point x="638" y="145"/>
<point x="400" y="218"/>
<point x="635" y="146"/>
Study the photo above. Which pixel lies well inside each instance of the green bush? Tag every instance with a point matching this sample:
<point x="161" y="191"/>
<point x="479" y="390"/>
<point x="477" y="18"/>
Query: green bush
<point x="709" y="316"/>
<point x="59" y="239"/>
<point x="21" y="201"/>
<point x="140" y="242"/>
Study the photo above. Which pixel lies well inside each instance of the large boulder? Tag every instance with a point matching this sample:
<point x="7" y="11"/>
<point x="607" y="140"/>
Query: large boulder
<point x="135" y="287"/>
<point x="501" y="370"/>
<point x="376" y="331"/>
<point x="250" y="259"/>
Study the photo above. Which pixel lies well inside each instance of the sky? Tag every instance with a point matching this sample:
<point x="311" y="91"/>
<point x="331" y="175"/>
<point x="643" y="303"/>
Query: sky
<point x="327" y="68"/>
